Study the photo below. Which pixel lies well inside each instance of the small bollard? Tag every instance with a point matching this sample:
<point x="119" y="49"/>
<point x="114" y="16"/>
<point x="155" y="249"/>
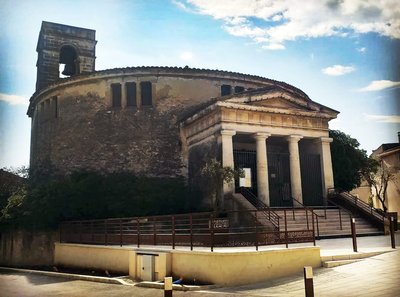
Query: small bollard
<point x="167" y="286"/>
<point x="308" y="281"/>
<point x="353" y="234"/>
<point x="392" y="239"/>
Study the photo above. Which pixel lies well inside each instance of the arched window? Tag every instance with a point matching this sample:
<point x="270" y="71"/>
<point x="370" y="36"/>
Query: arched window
<point x="69" y="62"/>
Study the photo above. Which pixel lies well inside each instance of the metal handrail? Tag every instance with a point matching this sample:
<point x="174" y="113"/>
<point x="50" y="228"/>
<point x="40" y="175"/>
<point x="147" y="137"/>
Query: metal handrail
<point x="340" y="212"/>
<point x="308" y="209"/>
<point x="362" y="205"/>
<point x="272" y="216"/>
<point x="340" y="207"/>
<point x="180" y="230"/>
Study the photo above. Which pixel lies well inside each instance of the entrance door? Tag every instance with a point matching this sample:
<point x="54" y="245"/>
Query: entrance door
<point x="311" y="181"/>
<point x="246" y="159"/>
<point x="279" y="180"/>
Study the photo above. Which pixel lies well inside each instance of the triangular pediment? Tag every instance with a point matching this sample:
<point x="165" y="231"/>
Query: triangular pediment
<point x="277" y="103"/>
<point x="275" y="100"/>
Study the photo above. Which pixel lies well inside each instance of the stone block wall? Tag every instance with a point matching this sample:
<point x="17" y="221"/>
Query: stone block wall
<point x="21" y="248"/>
<point x="51" y="38"/>
<point x="86" y="133"/>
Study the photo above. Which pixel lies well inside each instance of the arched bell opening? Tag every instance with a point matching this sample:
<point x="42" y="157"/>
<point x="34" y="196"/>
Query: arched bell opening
<point x="69" y="62"/>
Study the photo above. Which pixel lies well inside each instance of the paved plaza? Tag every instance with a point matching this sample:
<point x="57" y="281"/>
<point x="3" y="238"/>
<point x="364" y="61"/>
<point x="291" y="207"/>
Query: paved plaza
<point x="375" y="276"/>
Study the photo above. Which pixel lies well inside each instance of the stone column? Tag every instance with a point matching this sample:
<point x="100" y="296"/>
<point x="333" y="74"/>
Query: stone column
<point x="295" y="173"/>
<point x="326" y="165"/>
<point x="227" y="158"/>
<point x="262" y="167"/>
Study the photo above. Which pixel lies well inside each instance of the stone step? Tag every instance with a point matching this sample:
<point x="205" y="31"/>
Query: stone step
<point x="330" y="264"/>
<point x="329" y="222"/>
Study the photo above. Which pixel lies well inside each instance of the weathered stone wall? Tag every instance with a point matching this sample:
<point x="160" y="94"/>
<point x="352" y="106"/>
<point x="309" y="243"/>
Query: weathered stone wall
<point x="86" y="132"/>
<point x="51" y="38"/>
<point x="198" y="156"/>
<point x="26" y="249"/>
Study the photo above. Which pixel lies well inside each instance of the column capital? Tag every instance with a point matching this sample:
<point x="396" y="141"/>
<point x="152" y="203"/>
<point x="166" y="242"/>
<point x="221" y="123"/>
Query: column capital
<point x="294" y="138"/>
<point x="228" y="132"/>
<point x="261" y="135"/>
<point x="323" y="140"/>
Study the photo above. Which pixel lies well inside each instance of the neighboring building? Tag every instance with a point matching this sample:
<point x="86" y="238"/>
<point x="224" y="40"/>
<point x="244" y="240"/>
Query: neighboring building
<point x="388" y="154"/>
<point x="168" y="121"/>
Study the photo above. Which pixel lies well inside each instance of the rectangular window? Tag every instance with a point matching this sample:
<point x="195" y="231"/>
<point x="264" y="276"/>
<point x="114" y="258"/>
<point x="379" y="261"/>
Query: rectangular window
<point x="54" y="107"/>
<point x="225" y="90"/>
<point x="239" y="89"/>
<point x="116" y="95"/>
<point x="146" y="93"/>
<point x="41" y="112"/>
<point x="47" y="111"/>
<point x="130" y="94"/>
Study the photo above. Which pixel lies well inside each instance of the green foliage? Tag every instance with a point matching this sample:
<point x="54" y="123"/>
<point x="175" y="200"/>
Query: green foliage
<point x="216" y="175"/>
<point x="89" y="195"/>
<point x="12" y="181"/>
<point x="348" y="160"/>
<point x="14" y="208"/>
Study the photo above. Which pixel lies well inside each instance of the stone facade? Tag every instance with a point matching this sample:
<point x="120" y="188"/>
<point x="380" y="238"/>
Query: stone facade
<point x="52" y="38"/>
<point x="165" y="121"/>
<point x="75" y="126"/>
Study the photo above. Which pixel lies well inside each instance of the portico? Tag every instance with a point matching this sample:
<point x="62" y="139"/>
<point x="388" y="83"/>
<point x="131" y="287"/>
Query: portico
<point x="280" y="139"/>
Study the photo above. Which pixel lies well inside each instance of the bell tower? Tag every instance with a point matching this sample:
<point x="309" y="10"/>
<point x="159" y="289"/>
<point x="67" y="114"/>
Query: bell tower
<point x="63" y="51"/>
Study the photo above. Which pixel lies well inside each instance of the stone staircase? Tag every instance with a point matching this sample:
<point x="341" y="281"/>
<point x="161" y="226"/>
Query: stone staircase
<point x="263" y="217"/>
<point x="335" y="224"/>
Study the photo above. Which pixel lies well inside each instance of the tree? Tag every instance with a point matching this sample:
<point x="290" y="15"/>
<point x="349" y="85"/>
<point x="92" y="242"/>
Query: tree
<point x="13" y="182"/>
<point x="216" y="175"/>
<point x="378" y="175"/>
<point x="44" y="203"/>
<point x="348" y="161"/>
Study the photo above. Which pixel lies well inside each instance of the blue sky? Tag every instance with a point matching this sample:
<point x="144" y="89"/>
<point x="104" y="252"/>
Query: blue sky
<point x="343" y="53"/>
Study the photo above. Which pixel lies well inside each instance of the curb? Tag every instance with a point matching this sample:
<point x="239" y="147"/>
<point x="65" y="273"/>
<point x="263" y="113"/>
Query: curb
<point x="159" y="285"/>
<point x="108" y="280"/>
<point x="352" y="256"/>
<point x="99" y="279"/>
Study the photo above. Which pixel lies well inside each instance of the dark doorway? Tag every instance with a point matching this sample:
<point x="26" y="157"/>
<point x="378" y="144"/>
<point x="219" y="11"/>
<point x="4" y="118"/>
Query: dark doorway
<point x="279" y="180"/>
<point x="246" y="159"/>
<point x="311" y="182"/>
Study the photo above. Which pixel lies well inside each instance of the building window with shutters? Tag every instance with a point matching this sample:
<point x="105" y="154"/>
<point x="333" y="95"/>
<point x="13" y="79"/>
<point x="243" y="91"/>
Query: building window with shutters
<point x="146" y="93"/>
<point x="116" y="95"/>
<point x="130" y="94"/>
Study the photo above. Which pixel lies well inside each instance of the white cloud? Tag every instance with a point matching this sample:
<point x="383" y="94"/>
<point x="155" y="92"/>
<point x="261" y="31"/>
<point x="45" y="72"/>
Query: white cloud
<point x="14" y="99"/>
<point x="275" y="22"/>
<point x="378" y="85"/>
<point x="182" y="6"/>
<point x="337" y="70"/>
<point x="361" y="49"/>
<point x="274" y="46"/>
<point x="383" y="118"/>
<point x="186" y="56"/>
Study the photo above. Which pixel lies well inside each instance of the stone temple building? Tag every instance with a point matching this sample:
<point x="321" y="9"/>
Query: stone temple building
<point x="168" y="121"/>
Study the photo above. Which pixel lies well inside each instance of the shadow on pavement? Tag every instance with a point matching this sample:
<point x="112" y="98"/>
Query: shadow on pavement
<point x="38" y="280"/>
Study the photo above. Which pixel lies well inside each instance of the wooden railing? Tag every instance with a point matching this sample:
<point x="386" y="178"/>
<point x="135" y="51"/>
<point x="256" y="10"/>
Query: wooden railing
<point x="192" y="230"/>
